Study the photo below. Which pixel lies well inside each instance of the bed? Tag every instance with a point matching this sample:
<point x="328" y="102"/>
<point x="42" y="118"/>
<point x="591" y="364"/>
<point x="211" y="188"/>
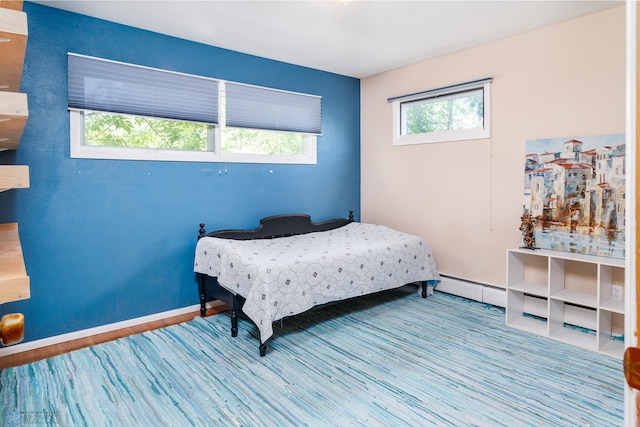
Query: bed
<point x="290" y="264"/>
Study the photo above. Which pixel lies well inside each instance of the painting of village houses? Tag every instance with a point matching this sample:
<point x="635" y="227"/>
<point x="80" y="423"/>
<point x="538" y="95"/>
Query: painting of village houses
<point x="574" y="190"/>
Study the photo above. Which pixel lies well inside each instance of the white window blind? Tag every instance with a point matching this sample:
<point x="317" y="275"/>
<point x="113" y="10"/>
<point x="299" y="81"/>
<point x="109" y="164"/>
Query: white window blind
<point x="271" y="109"/>
<point x="101" y="85"/>
<point x="445" y="90"/>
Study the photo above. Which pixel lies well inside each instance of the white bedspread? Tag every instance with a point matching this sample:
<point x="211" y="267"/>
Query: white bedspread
<point x="289" y="275"/>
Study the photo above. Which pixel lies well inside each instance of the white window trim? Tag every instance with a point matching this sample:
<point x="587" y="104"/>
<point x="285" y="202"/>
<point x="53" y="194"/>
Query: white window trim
<point x="78" y="150"/>
<point x="444" y="136"/>
<point x="305" y="159"/>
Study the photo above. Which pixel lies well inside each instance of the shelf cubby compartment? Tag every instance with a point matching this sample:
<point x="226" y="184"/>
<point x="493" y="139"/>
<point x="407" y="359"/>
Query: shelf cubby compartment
<point x="12" y="176"/>
<point x="612" y="289"/>
<point x="528" y="273"/>
<point x="526" y="312"/>
<point x="562" y="329"/>
<point x="573" y="281"/>
<point x="611" y="332"/>
<point x="13" y="42"/>
<point x="14" y="282"/>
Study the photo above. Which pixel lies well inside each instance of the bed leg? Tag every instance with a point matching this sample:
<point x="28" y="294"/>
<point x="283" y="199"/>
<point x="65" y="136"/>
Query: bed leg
<point x="234" y="322"/>
<point x="203" y="297"/>
<point x="263" y="349"/>
<point x="424" y="288"/>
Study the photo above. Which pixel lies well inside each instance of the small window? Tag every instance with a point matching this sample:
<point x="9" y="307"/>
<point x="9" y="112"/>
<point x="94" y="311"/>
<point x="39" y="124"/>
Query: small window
<point x="452" y="113"/>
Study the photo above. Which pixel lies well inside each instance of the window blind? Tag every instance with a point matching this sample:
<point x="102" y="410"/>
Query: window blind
<point x="258" y="107"/>
<point x="101" y="85"/>
<point x="445" y="90"/>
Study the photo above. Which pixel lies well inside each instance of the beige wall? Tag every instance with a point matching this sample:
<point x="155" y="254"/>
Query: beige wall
<point x="465" y="198"/>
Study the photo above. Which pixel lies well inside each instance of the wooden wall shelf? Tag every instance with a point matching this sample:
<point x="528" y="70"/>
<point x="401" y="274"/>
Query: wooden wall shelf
<point x="12" y="176"/>
<point x="14" y="282"/>
<point x="13" y="42"/>
<point x="11" y="4"/>
<point x="14" y="112"/>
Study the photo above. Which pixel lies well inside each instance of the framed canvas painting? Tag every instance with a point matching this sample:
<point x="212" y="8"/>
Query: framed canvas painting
<point x="574" y="189"/>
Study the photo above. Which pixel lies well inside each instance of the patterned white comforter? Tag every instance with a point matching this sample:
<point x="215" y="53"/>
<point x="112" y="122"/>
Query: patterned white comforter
<point x="289" y="275"/>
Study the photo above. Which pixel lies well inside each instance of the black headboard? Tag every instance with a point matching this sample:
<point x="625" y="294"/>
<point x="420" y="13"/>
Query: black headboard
<point x="279" y="226"/>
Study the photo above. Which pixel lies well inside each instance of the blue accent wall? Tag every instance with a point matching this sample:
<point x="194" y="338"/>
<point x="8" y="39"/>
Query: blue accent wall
<point x="106" y="240"/>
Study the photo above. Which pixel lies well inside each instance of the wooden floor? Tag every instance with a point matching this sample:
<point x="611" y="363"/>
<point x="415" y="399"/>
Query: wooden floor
<point x="65" y="347"/>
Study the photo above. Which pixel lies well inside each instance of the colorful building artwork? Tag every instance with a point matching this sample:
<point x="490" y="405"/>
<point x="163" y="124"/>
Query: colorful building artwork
<point x="574" y="189"/>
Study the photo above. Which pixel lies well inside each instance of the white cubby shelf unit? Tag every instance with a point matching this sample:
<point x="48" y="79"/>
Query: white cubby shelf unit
<point x="577" y="299"/>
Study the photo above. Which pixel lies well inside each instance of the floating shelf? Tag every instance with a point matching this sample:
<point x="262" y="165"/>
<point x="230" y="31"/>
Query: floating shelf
<point x="13" y="42"/>
<point x="14" y="282"/>
<point x="11" y="4"/>
<point x="13" y="177"/>
<point x="13" y="117"/>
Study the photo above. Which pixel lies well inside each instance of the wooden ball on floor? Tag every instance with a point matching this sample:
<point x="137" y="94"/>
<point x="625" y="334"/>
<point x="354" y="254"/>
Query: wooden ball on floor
<point x="12" y="328"/>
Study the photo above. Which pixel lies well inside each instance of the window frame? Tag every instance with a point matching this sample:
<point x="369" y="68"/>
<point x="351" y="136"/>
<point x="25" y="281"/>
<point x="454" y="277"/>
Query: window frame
<point x="443" y="136"/>
<point x="79" y="150"/>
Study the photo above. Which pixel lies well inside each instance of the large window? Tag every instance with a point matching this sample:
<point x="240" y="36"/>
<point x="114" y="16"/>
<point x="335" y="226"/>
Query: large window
<point x="124" y="111"/>
<point x="452" y="113"/>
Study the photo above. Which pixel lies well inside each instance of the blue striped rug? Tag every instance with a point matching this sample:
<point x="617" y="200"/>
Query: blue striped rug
<point x="392" y="359"/>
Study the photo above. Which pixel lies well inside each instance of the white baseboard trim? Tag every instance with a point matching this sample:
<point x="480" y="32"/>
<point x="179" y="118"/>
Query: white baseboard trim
<point x="58" y="339"/>
<point x="462" y="289"/>
<point x="494" y="295"/>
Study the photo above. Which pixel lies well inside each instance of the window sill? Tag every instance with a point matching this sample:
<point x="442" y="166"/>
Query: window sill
<point x="435" y="137"/>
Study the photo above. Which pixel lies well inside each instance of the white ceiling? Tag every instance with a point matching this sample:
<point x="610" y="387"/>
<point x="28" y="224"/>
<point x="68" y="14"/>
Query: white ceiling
<point x="357" y="38"/>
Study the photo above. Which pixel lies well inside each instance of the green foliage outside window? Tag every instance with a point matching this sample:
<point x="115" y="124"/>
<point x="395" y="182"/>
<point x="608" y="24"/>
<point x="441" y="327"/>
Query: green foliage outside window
<point x="255" y="141"/>
<point x="117" y="130"/>
<point x="464" y="111"/>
